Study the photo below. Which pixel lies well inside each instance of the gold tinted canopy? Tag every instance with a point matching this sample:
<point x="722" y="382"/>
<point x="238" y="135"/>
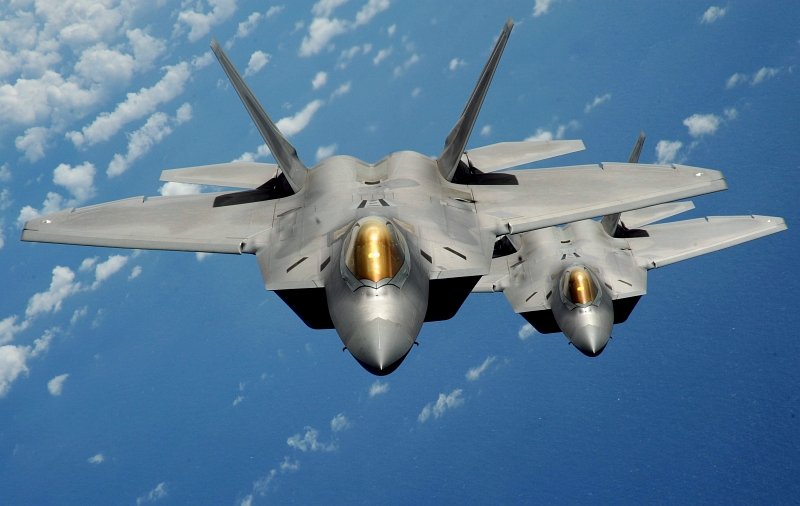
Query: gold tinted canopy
<point x="375" y="252"/>
<point x="581" y="289"/>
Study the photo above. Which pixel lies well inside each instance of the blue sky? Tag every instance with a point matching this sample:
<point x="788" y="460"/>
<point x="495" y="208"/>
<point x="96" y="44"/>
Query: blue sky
<point x="161" y="377"/>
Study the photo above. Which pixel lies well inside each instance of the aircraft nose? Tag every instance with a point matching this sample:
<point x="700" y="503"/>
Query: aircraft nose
<point x="590" y="340"/>
<point x="380" y="345"/>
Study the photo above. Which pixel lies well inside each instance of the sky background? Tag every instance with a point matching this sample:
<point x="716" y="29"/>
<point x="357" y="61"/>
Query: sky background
<point x="174" y="378"/>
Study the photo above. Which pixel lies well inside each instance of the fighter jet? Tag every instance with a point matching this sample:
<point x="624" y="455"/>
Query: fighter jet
<point x="374" y="250"/>
<point x="583" y="278"/>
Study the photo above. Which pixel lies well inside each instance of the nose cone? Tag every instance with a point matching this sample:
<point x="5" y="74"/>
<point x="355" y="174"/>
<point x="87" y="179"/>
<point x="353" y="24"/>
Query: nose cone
<point x="590" y="340"/>
<point x="380" y="345"/>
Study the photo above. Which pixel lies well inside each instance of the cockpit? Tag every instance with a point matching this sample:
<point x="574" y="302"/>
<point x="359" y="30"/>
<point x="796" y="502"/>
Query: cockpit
<point x="374" y="254"/>
<point x="579" y="287"/>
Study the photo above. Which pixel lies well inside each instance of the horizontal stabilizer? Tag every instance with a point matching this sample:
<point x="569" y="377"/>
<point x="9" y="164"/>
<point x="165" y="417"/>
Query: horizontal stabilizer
<point x="672" y="242"/>
<point x="648" y="215"/>
<point x="281" y="149"/>
<point x="512" y="154"/>
<point x="233" y="175"/>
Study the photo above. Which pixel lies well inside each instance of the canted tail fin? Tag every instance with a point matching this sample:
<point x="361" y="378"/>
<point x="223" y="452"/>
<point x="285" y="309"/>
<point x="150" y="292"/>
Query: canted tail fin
<point x="281" y="149"/>
<point x="611" y="221"/>
<point x="457" y="139"/>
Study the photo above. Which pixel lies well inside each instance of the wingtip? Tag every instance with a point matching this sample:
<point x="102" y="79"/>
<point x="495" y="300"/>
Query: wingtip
<point x="214" y="44"/>
<point x="509" y="23"/>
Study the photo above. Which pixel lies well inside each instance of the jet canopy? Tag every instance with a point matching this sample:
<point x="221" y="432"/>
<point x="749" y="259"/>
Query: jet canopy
<point x="579" y="288"/>
<point x="374" y="254"/>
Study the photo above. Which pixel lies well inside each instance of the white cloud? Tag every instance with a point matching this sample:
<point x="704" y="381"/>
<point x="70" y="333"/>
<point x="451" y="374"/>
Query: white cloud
<point x="731" y="113"/>
<point x="339" y="423"/>
<point x="274" y="11"/>
<point x="702" y="124"/>
<point x="135" y="272"/>
<point x="56" y="385"/>
<point x="370" y="10"/>
<point x="160" y="492"/>
<point x="341" y="90"/>
<point x="325" y="151"/>
<point x="400" y="69"/>
<point x="246" y="27"/>
<point x="62" y="286"/>
<point x="390" y="31"/>
<point x="5" y="173"/>
<point x="260" y="486"/>
<point x="146" y="48"/>
<point x="541" y="135"/>
<point x="78" y="314"/>
<point x="258" y="61"/>
<point x="5" y="202"/>
<point x="541" y="7"/>
<point x="382" y="55"/>
<point x="320" y="32"/>
<point x="597" y="101"/>
<point x="667" y="151"/>
<point x="52" y="204"/>
<point x="79" y="181"/>
<point x="455" y="63"/>
<point x="292" y="125"/>
<point x="378" y="388"/>
<point x="288" y="465"/>
<point x="33" y="143"/>
<point x="288" y="126"/>
<point x="442" y="404"/>
<point x="324" y="8"/>
<point x="88" y="264"/>
<point x="155" y="129"/>
<point x="237" y="400"/>
<point x="764" y="73"/>
<point x="201" y="256"/>
<point x="42" y="345"/>
<point x="475" y="372"/>
<point x="135" y="106"/>
<point x="170" y="189"/>
<point x="319" y="80"/>
<point x="486" y="131"/>
<point x="735" y="79"/>
<point x="415" y="92"/>
<point x="309" y="442"/>
<point x="322" y="28"/>
<point x="97" y="459"/>
<point x="2" y="235"/>
<point x="199" y="23"/>
<point x="12" y="364"/>
<point x="105" y="270"/>
<point x="712" y="14"/>
<point x="526" y="331"/>
<point x="9" y="327"/>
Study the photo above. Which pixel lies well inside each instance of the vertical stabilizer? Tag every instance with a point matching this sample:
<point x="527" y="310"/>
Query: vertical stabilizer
<point x="281" y="149"/>
<point x="457" y="139"/>
<point x="610" y="222"/>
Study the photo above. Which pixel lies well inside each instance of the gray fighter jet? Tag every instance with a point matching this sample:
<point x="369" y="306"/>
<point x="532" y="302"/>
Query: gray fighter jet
<point x="583" y="278"/>
<point x="374" y="250"/>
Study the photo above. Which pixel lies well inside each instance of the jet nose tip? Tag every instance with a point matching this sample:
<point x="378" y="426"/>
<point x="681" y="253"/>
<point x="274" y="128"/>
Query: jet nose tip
<point x="591" y="340"/>
<point x="380" y="346"/>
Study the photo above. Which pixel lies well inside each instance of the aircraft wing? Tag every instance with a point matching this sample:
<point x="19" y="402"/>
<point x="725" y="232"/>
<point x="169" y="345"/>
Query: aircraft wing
<point x="181" y="223"/>
<point x="547" y="197"/>
<point x="672" y="242"/>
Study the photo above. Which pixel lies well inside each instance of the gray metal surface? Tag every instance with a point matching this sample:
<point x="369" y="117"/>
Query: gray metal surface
<point x="449" y="217"/>
<point x="505" y="155"/>
<point x="232" y="175"/>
